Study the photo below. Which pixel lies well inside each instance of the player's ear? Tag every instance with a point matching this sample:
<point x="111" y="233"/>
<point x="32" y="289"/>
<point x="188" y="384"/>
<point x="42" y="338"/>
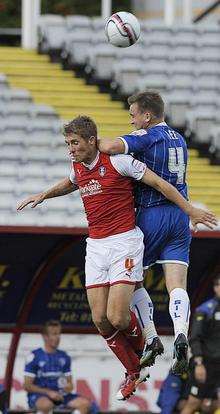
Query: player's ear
<point x="148" y="116"/>
<point x="92" y="140"/>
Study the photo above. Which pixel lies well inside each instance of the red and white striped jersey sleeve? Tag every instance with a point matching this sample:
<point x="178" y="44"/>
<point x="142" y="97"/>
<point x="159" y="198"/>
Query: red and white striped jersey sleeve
<point x="72" y="176"/>
<point x="128" y="166"/>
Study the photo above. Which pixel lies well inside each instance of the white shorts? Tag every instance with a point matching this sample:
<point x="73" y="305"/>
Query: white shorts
<point x="115" y="259"/>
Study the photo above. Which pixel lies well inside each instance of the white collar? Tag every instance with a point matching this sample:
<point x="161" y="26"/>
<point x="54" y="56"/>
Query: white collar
<point x="93" y="163"/>
<point x="160" y="124"/>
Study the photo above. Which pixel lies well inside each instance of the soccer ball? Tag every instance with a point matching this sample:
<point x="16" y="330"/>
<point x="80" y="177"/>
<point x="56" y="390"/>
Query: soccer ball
<point x="122" y="29"/>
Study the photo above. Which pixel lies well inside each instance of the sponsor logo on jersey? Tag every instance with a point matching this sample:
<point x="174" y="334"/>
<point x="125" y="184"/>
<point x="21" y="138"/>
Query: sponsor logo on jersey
<point x="90" y="189"/>
<point x="138" y="165"/>
<point x="102" y="170"/>
<point x="42" y="363"/>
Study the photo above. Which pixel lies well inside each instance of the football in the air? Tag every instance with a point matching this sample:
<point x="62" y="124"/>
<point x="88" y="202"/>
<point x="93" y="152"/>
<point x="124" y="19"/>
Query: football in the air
<point x="122" y="29"/>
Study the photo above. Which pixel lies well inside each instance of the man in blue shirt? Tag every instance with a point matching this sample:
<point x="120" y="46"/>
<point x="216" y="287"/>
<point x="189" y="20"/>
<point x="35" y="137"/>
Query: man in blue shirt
<point x="3" y="400"/>
<point x="205" y="349"/>
<point x="48" y="378"/>
<point x="173" y="393"/>
<point x="166" y="228"/>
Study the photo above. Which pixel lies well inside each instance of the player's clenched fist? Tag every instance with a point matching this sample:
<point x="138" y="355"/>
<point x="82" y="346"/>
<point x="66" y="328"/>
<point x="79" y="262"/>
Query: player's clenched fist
<point x="35" y="199"/>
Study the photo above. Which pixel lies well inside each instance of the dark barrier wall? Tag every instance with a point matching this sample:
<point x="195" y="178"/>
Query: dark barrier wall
<point x="43" y="270"/>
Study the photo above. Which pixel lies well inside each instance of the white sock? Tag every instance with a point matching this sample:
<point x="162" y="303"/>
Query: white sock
<point x="142" y="305"/>
<point x="179" y="309"/>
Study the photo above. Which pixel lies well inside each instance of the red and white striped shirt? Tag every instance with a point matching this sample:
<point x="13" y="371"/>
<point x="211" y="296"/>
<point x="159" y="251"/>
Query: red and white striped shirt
<point x="106" y="189"/>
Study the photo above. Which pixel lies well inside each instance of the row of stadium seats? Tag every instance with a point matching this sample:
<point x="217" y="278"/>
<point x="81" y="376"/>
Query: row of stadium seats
<point x="54" y="30"/>
<point x="49" y="84"/>
<point x="26" y="111"/>
<point x="34" y="157"/>
<point x="182" y="62"/>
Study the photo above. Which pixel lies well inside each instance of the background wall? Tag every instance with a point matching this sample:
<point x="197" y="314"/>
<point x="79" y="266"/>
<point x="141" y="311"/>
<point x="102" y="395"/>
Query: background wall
<point x="90" y="355"/>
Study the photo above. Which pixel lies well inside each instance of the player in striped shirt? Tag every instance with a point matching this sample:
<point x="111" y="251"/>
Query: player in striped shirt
<point x="166" y="228"/>
<point x="114" y="253"/>
<point x="48" y="376"/>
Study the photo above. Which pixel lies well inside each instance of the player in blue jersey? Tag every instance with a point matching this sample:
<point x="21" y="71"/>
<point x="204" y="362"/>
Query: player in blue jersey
<point x="48" y="378"/>
<point x="166" y="228"/>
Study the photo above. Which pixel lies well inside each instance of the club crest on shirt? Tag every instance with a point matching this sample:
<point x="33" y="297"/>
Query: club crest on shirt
<point x="102" y="171"/>
<point x="62" y="361"/>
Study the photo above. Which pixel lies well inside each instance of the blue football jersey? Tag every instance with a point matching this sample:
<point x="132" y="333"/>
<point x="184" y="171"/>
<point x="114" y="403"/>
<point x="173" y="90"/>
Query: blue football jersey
<point x="164" y="151"/>
<point x="48" y="369"/>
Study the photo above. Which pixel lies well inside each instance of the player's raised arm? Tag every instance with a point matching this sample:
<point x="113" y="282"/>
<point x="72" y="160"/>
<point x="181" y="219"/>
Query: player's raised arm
<point x="111" y="146"/>
<point x="197" y="215"/>
<point x="63" y="187"/>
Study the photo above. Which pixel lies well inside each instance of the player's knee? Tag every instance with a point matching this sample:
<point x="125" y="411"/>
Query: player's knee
<point x="193" y="404"/>
<point x="206" y="406"/>
<point x="44" y="405"/>
<point x="81" y="404"/>
<point x="119" y="320"/>
<point x="85" y="406"/>
<point x="100" y="320"/>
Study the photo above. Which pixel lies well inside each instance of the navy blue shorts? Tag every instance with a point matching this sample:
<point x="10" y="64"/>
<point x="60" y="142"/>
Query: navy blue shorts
<point x="33" y="397"/>
<point x="167" y="235"/>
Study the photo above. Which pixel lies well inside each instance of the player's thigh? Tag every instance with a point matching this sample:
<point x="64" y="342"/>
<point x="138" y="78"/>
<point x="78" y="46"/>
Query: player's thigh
<point x="175" y="275"/>
<point x="119" y="300"/>
<point x="44" y="404"/>
<point x="151" y="222"/>
<point x="79" y="403"/>
<point x="98" y="300"/>
<point x="96" y="264"/>
<point x="126" y="259"/>
<point x="176" y="247"/>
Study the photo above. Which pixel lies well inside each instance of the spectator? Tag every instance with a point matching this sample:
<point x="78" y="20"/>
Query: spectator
<point x="48" y="378"/>
<point x="205" y="346"/>
<point x="173" y="393"/>
<point x="3" y="400"/>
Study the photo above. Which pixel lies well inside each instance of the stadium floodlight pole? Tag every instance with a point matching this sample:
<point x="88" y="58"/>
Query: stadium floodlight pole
<point x="169" y="12"/>
<point x="187" y="11"/>
<point x="30" y="13"/>
<point x="106" y="8"/>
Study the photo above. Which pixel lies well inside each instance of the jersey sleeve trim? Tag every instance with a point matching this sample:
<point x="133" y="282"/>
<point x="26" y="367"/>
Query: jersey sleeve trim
<point x="125" y="144"/>
<point x="67" y="374"/>
<point x="29" y="374"/>
<point x="72" y="176"/>
<point x="128" y="166"/>
<point x="141" y="175"/>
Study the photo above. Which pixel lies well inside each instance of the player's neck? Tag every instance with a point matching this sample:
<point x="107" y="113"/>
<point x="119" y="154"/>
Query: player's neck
<point x="49" y="350"/>
<point x="154" y="122"/>
<point x="91" y="158"/>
